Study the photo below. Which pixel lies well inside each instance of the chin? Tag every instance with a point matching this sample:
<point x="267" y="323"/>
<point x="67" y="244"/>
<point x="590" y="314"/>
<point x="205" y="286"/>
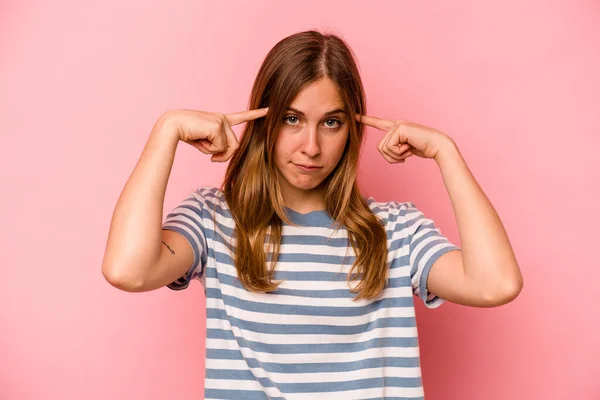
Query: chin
<point x="306" y="185"/>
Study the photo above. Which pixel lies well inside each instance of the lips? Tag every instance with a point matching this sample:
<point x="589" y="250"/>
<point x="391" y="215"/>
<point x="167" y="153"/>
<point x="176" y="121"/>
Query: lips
<point x="307" y="168"/>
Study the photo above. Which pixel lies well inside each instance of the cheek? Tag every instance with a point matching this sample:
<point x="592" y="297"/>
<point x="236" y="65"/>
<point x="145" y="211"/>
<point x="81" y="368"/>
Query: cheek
<point x="340" y="146"/>
<point x="280" y="152"/>
<point x="284" y="145"/>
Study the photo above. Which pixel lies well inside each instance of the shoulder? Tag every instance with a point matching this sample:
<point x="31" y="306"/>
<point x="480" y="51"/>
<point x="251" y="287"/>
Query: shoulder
<point x="210" y="193"/>
<point x="390" y="212"/>
<point x="383" y="207"/>
<point x="211" y="199"/>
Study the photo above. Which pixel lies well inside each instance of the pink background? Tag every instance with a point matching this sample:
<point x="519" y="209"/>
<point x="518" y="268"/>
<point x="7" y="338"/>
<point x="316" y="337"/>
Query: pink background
<point x="515" y="84"/>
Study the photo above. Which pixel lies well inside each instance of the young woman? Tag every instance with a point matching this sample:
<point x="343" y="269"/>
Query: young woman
<point x="309" y="285"/>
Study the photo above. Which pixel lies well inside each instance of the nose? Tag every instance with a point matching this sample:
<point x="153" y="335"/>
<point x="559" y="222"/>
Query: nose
<point x="311" y="146"/>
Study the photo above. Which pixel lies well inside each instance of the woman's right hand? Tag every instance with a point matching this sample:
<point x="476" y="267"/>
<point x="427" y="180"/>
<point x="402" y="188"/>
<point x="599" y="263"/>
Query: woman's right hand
<point x="210" y="132"/>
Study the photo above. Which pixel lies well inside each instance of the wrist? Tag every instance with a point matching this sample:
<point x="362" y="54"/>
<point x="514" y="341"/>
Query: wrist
<point x="167" y="126"/>
<point x="448" y="148"/>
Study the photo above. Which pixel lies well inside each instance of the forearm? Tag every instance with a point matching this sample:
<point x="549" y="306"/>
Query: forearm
<point x="134" y="238"/>
<point x="488" y="258"/>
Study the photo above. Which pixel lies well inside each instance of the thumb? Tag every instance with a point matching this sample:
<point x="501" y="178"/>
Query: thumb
<point x="203" y="145"/>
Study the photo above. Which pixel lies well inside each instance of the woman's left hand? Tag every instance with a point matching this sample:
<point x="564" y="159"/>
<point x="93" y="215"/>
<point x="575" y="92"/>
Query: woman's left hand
<point x="404" y="138"/>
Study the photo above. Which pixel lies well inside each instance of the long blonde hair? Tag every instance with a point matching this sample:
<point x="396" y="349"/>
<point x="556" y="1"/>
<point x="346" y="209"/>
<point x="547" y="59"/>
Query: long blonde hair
<point x="251" y="184"/>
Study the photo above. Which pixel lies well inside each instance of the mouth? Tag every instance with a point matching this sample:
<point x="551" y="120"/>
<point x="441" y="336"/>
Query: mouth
<point x="307" y="168"/>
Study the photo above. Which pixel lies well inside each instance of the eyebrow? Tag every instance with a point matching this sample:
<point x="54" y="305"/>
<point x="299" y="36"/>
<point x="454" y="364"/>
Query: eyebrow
<point x="337" y="110"/>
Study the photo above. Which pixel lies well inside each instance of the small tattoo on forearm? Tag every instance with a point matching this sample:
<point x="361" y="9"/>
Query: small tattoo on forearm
<point x="170" y="249"/>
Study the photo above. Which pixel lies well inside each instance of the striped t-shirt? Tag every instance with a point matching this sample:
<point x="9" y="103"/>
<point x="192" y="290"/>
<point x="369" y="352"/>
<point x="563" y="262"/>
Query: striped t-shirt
<point x="309" y="339"/>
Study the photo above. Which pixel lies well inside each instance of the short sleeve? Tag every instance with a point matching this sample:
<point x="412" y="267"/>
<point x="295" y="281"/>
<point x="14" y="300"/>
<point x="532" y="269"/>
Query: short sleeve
<point x="188" y="219"/>
<point x="426" y="245"/>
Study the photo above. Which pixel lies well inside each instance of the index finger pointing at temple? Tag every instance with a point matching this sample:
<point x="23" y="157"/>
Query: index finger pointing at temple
<point x="375" y="122"/>
<point x="244" y="116"/>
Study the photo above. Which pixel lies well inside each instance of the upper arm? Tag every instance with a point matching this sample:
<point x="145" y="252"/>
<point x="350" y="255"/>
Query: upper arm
<point x="175" y="261"/>
<point x="437" y="267"/>
<point x="185" y="232"/>
<point x="183" y="249"/>
<point x="426" y="246"/>
<point x="447" y="279"/>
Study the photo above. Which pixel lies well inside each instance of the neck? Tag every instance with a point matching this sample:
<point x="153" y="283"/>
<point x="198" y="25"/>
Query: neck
<point x="304" y="201"/>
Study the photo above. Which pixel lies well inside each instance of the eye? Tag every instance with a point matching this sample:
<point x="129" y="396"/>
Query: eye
<point x="334" y="120"/>
<point x="287" y="119"/>
<point x="330" y="123"/>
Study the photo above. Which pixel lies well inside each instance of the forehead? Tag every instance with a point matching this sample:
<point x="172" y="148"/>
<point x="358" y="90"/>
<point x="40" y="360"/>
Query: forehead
<point x="318" y="97"/>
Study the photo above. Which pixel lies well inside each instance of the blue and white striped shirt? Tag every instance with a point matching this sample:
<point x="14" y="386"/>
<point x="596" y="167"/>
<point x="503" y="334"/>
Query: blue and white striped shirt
<point x="309" y="339"/>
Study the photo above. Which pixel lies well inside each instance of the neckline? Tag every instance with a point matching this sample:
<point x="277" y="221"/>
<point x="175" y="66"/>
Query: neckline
<point x="316" y="218"/>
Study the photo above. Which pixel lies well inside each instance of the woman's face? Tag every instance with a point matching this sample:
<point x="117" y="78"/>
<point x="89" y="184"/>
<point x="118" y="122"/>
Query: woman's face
<point x="313" y="134"/>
